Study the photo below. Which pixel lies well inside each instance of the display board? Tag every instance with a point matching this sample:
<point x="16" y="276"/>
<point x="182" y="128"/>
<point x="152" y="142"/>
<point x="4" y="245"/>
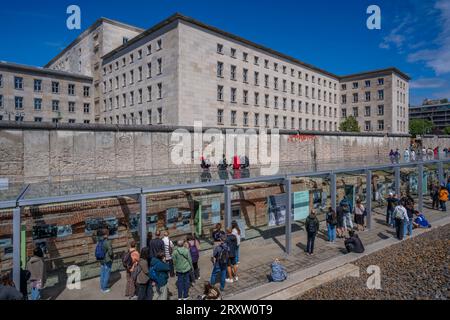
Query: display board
<point x="300" y="201"/>
<point x="276" y="210"/>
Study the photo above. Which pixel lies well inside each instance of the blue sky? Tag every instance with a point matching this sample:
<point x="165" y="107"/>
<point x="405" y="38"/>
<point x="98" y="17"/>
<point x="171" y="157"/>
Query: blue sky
<point x="415" y="34"/>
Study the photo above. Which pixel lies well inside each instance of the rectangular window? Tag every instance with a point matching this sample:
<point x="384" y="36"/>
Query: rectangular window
<point x="86" y="91"/>
<point x="367" y="111"/>
<point x="149" y="117"/>
<point x="266" y="100"/>
<point x="149" y="93"/>
<point x="131" y="77"/>
<point x="292" y="105"/>
<point x="233" y="95"/>
<point x="355" y="112"/>
<point x="284" y="70"/>
<point x="131" y="58"/>
<point x="381" y="81"/>
<point x="266" y="120"/>
<point x="284" y="122"/>
<point x="245" y="120"/>
<point x="367" y="83"/>
<point x="160" y="93"/>
<point x="256" y="78"/>
<point x="159" y="66"/>
<point x="275" y="83"/>
<point x="266" y="80"/>
<point x="275" y="102"/>
<point x="256" y="119"/>
<point x="275" y="66"/>
<point x="1" y="80"/>
<point x="284" y="104"/>
<point x="140" y="74"/>
<point x="71" y="107"/>
<point x="245" y="76"/>
<point x="37" y="119"/>
<point x="381" y="110"/>
<point x="220" y="93"/>
<point x="355" y="98"/>
<point x="220" y="48"/>
<point x="233" y="118"/>
<point x="245" y="56"/>
<point x="18" y="103"/>
<point x="233" y="73"/>
<point x="149" y="49"/>
<point x="380" y="125"/>
<point x="344" y="87"/>
<point x="266" y="64"/>
<point x="132" y="98"/>
<point x="55" y="105"/>
<point x="233" y="53"/>
<point x="344" y="113"/>
<point x="220" y="69"/>
<point x="380" y="94"/>
<point x="139" y="54"/>
<point x="355" y="85"/>
<point x="71" y="89"/>
<point x="256" y="99"/>
<point x="275" y="121"/>
<point x="18" y="83"/>
<point x="124" y="100"/>
<point x="55" y="87"/>
<point x="140" y="96"/>
<point x="368" y="96"/>
<point x="256" y="60"/>
<point x="1" y="101"/>
<point x="220" y="116"/>
<point x="19" y="118"/>
<point x="37" y="104"/>
<point x="160" y="116"/>
<point x="37" y="85"/>
<point x="284" y="85"/>
<point x="367" y="125"/>
<point x="292" y="123"/>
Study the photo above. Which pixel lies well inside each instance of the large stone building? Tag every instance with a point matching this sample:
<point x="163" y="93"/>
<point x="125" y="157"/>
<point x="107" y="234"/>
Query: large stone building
<point x="181" y="71"/>
<point x="436" y="111"/>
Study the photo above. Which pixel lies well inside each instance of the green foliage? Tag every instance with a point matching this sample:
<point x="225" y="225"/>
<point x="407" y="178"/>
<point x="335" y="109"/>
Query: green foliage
<point x="420" y="127"/>
<point x="349" y="125"/>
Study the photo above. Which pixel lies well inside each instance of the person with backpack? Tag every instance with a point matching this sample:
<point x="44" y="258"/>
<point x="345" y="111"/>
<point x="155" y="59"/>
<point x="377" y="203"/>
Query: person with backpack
<point x="237" y="232"/>
<point x="129" y="262"/>
<point x="168" y="249"/>
<point x="141" y="274"/>
<point x="104" y="254"/>
<point x="443" y="198"/>
<point x="231" y="242"/>
<point x="332" y="222"/>
<point x="312" y="227"/>
<point x="220" y="259"/>
<point x="182" y="262"/>
<point x="401" y="216"/>
<point x="159" y="274"/>
<point x="38" y="274"/>
<point x="217" y="234"/>
<point x="194" y="249"/>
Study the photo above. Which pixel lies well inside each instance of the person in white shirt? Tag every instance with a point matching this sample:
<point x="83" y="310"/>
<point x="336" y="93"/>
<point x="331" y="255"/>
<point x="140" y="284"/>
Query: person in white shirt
<point x="168" y="248"/>
<point x="413" y="155"/>
<point x="237" y="232"/>
<point x="401" y="217"/>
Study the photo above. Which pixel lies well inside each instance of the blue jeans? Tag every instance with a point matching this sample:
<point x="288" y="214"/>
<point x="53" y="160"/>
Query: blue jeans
<point x="331" y="233"/>
<point x="443" y="206"/>
<point x="183" y="284"/>
<point x="105" y="272"/>
<point x="237" y="254"/>
<point x="407" y="227"/>
<point x="35" y="294"/>
<point x="223" y="274"/>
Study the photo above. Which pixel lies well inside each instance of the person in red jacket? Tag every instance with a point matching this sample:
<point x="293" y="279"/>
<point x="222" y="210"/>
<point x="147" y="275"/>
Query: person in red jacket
<point x="236" y="163"/>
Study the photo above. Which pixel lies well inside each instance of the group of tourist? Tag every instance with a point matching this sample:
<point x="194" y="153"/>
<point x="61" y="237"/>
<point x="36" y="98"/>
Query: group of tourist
<point x="413" y="154"/>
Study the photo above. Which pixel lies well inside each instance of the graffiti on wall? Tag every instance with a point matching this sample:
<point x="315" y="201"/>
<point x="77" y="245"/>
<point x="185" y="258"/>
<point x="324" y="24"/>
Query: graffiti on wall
<point x="301" y="138"/>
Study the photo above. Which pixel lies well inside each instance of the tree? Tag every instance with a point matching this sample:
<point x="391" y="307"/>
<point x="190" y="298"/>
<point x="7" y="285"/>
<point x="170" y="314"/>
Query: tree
<point x="447" y="131"/>
<point x="420" y="127"/>
<point x="350" y="125"/>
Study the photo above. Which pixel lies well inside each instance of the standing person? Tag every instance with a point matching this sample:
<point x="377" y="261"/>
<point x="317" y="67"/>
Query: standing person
<point x="392" y="156"/>
<point x="397" y="156"/>
<point x="231" y="242"/>
<point x="435" y="197"/>
<point x="237" y="232"/>
<point x="142" y="275"/>
<point x="168" y="249"/>
<point x="160" y="270"/>
<point x="391" y="204"/>
<point x="104" y="253"/>
<point x="129" y="261"/>
<point x="359" y="215"/>
<point x="443" y="198"/>
<point x="347" y="207"/>
<point x="332" y="222"/>
<point x="312" y="227"/>
<point x="194" y="249"/>
<point x="423" y="154"/>
<point x="413" y="155"/>
<point x="38" y="274"/>
<point x="155" y="245"/>
<point x="401" y="216"/>
<point x="340" y="221"/>
<point x="220" y="259"/>
<point x="217" y="234"/>
<point x="408" y="229"/>
<point x="7" y="289"/>
<point x="182" y="262"/>
<point x="24" y="278"/>
<point x="406" y="155"/>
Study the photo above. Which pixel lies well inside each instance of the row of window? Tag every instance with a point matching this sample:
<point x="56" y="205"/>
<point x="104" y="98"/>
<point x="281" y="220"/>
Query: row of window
<point x="367" y="97"/>
<point x="401" y="111"/>
<point x="130" y="97"/>
<point x="293" y="88"/>
<point x="321" y="125"/>
<point x="136" y="118"/>
<point x="276" y="102"/>
<point x="130" y="78"/>
<point x="401" y="126"/>
<point x="367" y="84"/>
<point x="131" y="57"/>
<point x="368" y="125"/>
<point x="367" y="111"/>
<point x="37" y="105"/>
<point x="293" y="72"/>
<point x="401" y="97"/>
<point x="20" y="118"/>
<point x="56" y="87"/>
<point x="401" y="84"/>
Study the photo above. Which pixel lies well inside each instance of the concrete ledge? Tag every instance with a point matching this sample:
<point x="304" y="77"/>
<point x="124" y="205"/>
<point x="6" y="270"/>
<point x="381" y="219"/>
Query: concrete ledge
<point x="275" y="290"/>
<point x="347" y="270"/>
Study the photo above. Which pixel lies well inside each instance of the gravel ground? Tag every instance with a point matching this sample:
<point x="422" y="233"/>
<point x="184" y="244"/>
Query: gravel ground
<point x="416" y="268"/>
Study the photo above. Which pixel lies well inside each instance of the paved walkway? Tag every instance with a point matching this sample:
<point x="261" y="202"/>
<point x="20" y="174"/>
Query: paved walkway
<point x="256" y="257"/>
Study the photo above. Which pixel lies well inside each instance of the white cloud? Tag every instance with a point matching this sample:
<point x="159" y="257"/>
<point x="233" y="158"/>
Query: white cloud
<point x="428" y="83"/>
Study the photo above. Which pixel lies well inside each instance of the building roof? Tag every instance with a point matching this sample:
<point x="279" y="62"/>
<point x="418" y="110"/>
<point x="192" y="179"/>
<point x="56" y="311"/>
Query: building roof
<point x="180" y="17"/>
<point x="85" y="33"/>
<point x="15" y="67"/>
<point x="429" y="106"/>
<point x="375" y="73"/>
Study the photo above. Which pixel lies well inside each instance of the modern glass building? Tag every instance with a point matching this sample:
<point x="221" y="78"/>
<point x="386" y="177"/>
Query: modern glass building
<point x="438" y="113"/>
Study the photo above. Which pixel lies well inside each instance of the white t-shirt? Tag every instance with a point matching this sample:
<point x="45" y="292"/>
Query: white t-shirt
<point x="238" y="237"/>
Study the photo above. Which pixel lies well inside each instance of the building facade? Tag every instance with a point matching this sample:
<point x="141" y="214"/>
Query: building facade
<point x="436" y="111"/>
<point x="43" y="95"/>
<point x="181" y="71"/>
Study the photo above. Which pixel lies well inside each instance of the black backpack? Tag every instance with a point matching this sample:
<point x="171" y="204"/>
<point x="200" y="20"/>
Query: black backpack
<point x="127" y="260"/>
<point x="312" y="228"/>
<point x="222" y="257"/>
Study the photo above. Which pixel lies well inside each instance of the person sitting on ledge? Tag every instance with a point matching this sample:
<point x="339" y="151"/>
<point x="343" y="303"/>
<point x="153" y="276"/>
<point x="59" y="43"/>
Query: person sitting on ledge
<point x="278" y="273"/>
<point x="420" y="222"/>
<point x="354" y="243"/>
